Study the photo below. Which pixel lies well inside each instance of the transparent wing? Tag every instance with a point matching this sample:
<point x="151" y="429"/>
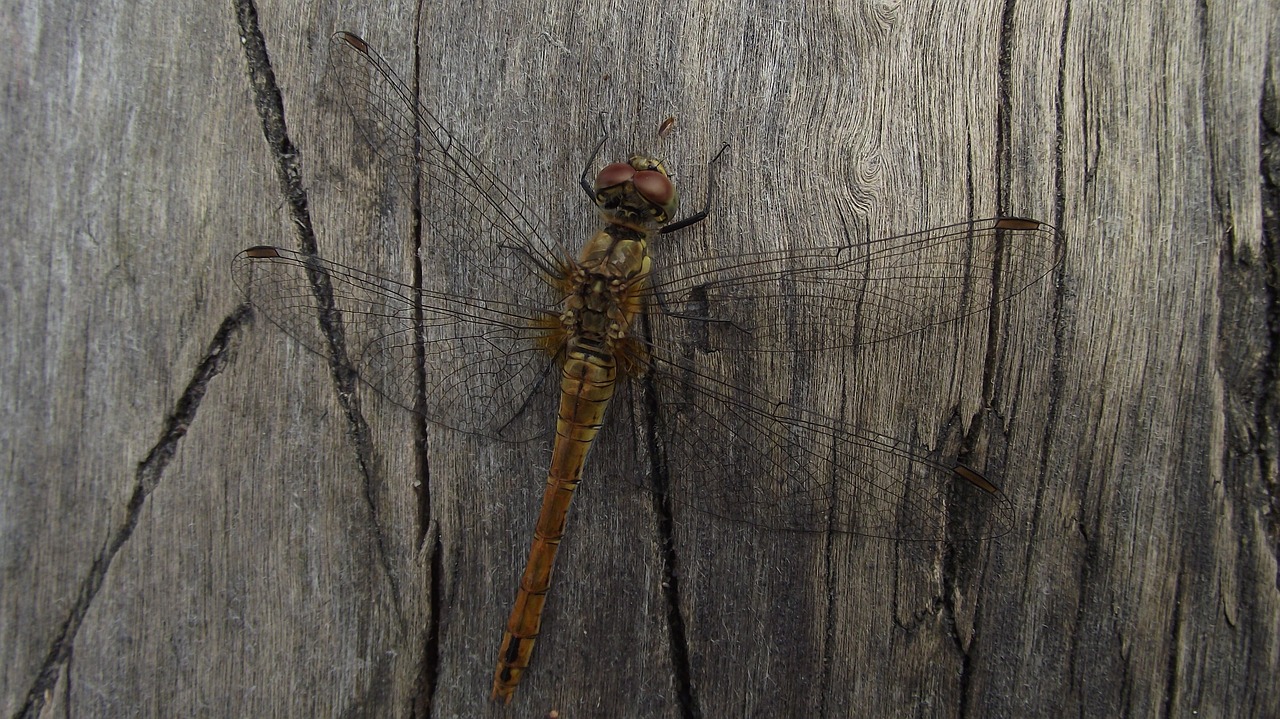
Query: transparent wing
<point x="722" y="322"/>
<point x="479" y="226"/>
<point x="739" y="455"/>
<point x="481" y="360"/>
<point x="490" y="279"/>
<point x="850" y="294"/>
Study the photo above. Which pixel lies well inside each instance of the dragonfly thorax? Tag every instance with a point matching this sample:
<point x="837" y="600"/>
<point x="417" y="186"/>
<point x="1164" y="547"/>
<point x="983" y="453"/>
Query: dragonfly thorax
<point x="604" y="287"/>
<point x="616" y="252"/>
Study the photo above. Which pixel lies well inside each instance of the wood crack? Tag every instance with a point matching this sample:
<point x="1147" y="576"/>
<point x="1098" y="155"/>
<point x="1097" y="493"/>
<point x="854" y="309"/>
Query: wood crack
<point x="149" y="473"/>
<point x="270" y="106"/>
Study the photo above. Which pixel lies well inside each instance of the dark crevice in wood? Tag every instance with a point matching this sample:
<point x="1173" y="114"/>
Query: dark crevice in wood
<point x="425" y="692"/>
<point x="270" y="106"/>
<point x="1057" y="372"/>
<point x="422" y="444"/>
<point x="1058" y="316"/>
<point x="1245" y="353"/>
<point x="1267" y="417"/>
<point x="969" y="440"/>
<point x="967" y="690"/>
<point x="69" y="671"/>
<point x="970" y="187"/>
<point x="428" y="679"/>
<point x="1060" y="127"/>
<point x="991" y="355"/>
<point x="1004" y="108"/>
<point x="678" y="641"/>
<point x="150" y="472"/>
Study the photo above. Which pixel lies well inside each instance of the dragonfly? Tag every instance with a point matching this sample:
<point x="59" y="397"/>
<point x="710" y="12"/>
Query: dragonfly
<point x="507" y="324"/>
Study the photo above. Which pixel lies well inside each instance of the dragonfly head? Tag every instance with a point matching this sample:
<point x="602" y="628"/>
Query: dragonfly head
<point x="639" y="190"/>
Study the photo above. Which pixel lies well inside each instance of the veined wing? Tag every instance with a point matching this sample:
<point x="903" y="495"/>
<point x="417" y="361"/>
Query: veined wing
<point x="478" y="224"/>
<point x="851" y="294"/>
<point x="480" y="354"/>
<point x="794" y="467"/>
<point x="481" y="359"/>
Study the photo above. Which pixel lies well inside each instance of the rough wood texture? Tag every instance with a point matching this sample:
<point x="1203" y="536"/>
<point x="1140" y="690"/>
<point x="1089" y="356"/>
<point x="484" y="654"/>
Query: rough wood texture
<point x="197" y="519"/>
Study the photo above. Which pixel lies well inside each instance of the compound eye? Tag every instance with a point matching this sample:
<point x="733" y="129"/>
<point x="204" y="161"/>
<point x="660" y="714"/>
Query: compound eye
<point x="655" y="186"/>
<point x="613" y="175"/>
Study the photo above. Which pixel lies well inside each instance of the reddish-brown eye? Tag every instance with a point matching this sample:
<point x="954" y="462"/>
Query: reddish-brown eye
<point x="614" y="175"/>
<point x="655" y="186"/>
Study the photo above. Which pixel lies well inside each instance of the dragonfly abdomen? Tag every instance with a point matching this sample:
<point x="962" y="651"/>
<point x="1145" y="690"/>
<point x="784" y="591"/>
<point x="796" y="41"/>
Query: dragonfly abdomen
<point x="586" y="385"/>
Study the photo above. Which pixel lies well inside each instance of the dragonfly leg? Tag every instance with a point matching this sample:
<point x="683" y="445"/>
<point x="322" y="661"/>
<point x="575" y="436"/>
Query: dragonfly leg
<point x="700" y="215"/>
<point x="586" y="180"/>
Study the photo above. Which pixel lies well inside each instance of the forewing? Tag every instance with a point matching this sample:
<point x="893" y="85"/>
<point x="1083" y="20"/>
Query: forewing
<point x="851" y="294"/>
<point x="479" y="229"/>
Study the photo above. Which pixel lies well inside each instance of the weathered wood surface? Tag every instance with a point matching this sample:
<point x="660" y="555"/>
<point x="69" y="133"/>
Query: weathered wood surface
<point x="197" y="522"/>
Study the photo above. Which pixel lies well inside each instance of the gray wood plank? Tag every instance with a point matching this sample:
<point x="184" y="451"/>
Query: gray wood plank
<point x="205" y="523"/>
<point x="127" y="174"/>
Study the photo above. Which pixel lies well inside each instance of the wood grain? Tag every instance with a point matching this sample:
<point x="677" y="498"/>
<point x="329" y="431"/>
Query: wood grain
<point x="198" y="519"/>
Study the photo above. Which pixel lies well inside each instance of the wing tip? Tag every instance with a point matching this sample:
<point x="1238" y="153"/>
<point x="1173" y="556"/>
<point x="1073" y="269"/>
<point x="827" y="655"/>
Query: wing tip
<point x="976" y="479"/>
<point x="261" y="252"/>
<point x="1017" y="223"/>
<point x="355" y="41"/>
